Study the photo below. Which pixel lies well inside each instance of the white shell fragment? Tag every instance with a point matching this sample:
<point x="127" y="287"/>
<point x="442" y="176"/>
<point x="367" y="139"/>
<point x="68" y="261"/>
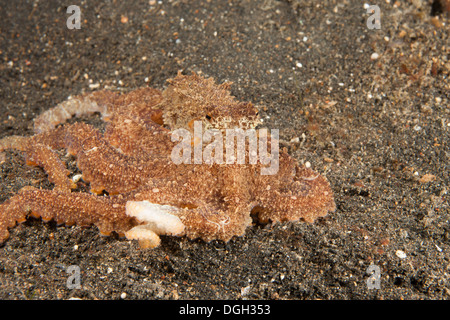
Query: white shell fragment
<point x="401" y="254"/>
<point x="157" y="220"/>
<point x="147" y="238"/>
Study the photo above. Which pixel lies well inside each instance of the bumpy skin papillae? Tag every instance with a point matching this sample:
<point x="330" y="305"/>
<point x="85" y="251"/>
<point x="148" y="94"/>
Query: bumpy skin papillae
<point x="108" y="214"/>
<point x="101" y="101"/>
<point x="132" y="159"/>
<point x="216" y="202"/>
<point x="196" y="98"/>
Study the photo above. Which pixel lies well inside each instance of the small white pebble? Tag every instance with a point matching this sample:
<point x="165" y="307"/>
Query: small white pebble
<point x="110" y="270"/>
<point x="77" y="177"/>
<point x="308" y="164"/>
<point x="245" y="291"/>
<point x="374" y="56"/>
<point x="75" y="247"/>
<point x="401" y="254"/>
<point x="299" y="65"/>
<point x="123" y="295"/>
<point x="94" y="85"/>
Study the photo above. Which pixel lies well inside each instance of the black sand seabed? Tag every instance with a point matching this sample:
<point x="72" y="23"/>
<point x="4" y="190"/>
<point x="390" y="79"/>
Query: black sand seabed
<point x="367" y="108"/>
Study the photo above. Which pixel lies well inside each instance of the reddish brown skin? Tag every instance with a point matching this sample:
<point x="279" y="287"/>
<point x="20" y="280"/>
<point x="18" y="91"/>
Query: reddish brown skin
<point x="131" y="162"/>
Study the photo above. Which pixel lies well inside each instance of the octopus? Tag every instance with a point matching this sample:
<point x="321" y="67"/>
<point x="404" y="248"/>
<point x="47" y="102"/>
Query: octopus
<point x="134" y="189"/>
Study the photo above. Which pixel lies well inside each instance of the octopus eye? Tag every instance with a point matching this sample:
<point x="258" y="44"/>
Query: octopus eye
<point x="208" y="117"/>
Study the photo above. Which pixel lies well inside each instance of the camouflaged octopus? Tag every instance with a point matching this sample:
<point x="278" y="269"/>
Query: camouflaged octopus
<point x="136" y="189"/>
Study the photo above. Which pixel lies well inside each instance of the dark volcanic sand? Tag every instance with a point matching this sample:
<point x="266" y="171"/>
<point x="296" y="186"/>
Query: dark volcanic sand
<point x="379" y="129"/>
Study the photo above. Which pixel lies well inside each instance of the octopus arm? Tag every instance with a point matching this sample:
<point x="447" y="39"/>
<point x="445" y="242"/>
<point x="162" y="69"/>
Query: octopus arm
<point x="43" y="156"/>
<point x="204" y="217"/>
<point x="39" y="151"/>
<point x="100" y="101"/>
<point x="211" y="222"/>
<point x="307" y="196"/>
<point x="106" y="167"/>
<point x="108" y="214"/>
